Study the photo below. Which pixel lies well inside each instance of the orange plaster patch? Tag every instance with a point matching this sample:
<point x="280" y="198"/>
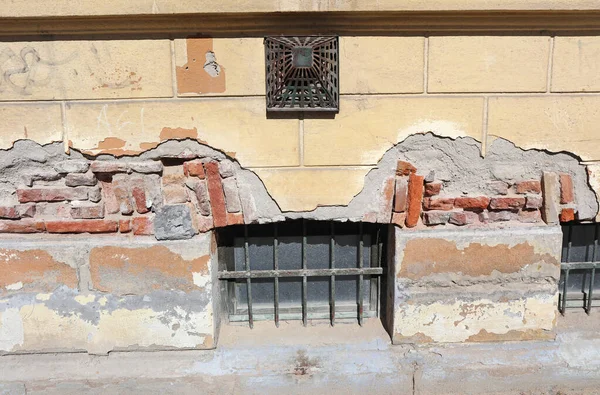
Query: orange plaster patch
<point x="178" y="133"/>
<point x="192" y="77"/>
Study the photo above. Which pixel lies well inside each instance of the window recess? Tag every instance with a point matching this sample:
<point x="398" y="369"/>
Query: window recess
<point x="579" y="284"/>
<point x="301" y="270"/>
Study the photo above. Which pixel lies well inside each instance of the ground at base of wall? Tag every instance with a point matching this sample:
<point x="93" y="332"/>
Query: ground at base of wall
<point x="566" y="366"/>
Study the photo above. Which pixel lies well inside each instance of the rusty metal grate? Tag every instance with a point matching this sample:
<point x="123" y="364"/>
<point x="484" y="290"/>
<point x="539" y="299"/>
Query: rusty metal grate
<point x="302" y="73"/>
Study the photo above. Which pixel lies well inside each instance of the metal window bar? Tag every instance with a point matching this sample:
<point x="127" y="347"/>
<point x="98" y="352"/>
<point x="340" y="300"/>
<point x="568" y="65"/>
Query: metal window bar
<point x="332" y="272"/>
<point x="585" y="297"/>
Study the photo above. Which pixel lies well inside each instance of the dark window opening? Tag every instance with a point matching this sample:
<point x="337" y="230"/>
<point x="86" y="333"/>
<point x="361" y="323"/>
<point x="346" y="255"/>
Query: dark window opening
<point x="579" y="286"/>
<point x="300" y="270"/>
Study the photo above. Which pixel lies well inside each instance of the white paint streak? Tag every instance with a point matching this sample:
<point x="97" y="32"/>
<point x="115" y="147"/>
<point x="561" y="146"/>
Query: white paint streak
<point x="15" y="286"/>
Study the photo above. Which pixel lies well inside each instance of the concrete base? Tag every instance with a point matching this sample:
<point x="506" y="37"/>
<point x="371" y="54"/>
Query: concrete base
<point x="319" y="359"/>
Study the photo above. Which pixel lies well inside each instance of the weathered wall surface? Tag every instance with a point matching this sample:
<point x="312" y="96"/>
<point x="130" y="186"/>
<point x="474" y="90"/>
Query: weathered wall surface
<point x="127" y="96"/>
<point x="473" y="286"/>
<point x="102" y="294"/>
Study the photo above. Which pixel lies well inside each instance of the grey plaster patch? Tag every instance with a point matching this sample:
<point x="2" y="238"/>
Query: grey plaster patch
<point x="173" y="222"/>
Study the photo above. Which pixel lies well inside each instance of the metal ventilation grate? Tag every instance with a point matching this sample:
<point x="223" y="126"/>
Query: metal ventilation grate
<point x="302" y="73"/>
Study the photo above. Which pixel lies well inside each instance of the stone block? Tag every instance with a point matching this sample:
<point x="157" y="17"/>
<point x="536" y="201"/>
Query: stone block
<point x="146" y="167"/>
<point x="203" y="200"/>
<point x="42" y="124"/>
<point x="79" y="179"/>
<point x="72" y="166"/>
<point x="109" y="167"/>
<point x="226" y="169"/>
<point x="576" y="64"/>
<point x="173" y="223"/>
<point x="551" y="188"/>
<point x="232" y="196"/>
<point x="495" y="64"/>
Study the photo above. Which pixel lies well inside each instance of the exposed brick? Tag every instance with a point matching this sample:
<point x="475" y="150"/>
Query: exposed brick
<point x="125" y="225"/>
<point x="386" y="200"/>
<point x="499" y="187"/>
<point x="438" y="203"/>
<point x="143" y="226"/>
<point x="533" y="202"/>
<point x="120" y="187"/>
<point x="461" y="218"/>
<point x="399" y="219"/>
<point x="9" y="212"/>
<point x="138" y="192"/>
<point x="226" y="169"/>
<point x="551" y="188"/>
<point x="111" y="204"/>
<point x="235" y="219"/>
<point x="82" y="226"/>
<point x="194" y="168"/>
<point x="201" y="191"/>
<point x="232" y="196"/>
<point x="433" y="188"/>
<point x="53" y="210"/>
<point x="175" y="194"/>
<point x="405" y="168"/>
<point x="217" y="197"/>
<point x="567" y="215"/>
<point x="51" y="194"/>
<point x="203" y="223"/>
<point x="415" y="196"/>
<point x="436" y="217"/>
<point x="109" y="167"/>
<point x="146" y="167"/>
<point x="154" y="196"/>
<point x="529" y="216"/>
<point x="529" y="186"/>
<point x="370" y="218"/>
<point x="472" y="203"/>
<point x="507" y="203"/>
<point x="40" y="175"/>
<point x="22" y="226"/>
<point x="500" y="216"/>
<point x="27" y="210"/>
<point x="87" y="211"/>
<point x="72" y="166"/>
<point x="94" y="194"/>
<point x="401" y="194"/>
<point x="566" y="189"/>
<point x="79" y="179"/>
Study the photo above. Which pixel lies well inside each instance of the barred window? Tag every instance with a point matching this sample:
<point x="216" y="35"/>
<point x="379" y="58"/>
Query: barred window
<point x="302" y="270"/>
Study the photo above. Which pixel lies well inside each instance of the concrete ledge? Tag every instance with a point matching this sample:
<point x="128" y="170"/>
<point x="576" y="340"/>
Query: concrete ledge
<point x="101" y="294"/>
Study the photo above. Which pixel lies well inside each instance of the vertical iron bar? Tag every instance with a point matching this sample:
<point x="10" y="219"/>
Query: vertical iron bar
<point x="276" y="267"/>
<point x="360" y="277"/>
<point x="592" y="279"/>
<point x="332" y="261"/>
<point x="564" y="294"/>
<point x="304" y="280"/>
<point x="378" y="264"/>
<point x="248" y="282"/>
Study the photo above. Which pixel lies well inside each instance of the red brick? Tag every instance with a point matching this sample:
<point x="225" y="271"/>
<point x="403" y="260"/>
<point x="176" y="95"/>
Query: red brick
<point x="125" y="225"/>
<point x="51" y="194"/>
<point x="194" y="168"/>
<point x="400" y="195"/>
<point x="405" y="168"/>
<point x="109" y="167"/>
<point x="435" y="217"/>
<point x="26" y="210"/>
<point x="534" y="202"/>
<point x="143" y="226"/>
<point x="530" y="186"/>
<point x="567" y="215"/>
<point x="507" y="203"/>
<point x="528" y="216"/>
<point x="9" y="212"/>
<point x="472" y="203"/>
<point x="415" y="196"/>
<point x="217" y="197"/>
<point x="87" y="211"/>
<point x="235" y="219"/>
<point x="22" y="226"/>
<point x="111" y="204"/>
<point x="433" y="188"/>
<point x="83" y="226"/>
<point x="438" y="203"/>
<point x="138" y="191"/>
<point x="566" y="189"/>
<point x="120" y="187"/>
<point x="461" y="218"/>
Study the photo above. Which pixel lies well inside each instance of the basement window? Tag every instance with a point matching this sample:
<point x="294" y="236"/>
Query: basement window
<point x="301" y="270"/>
<point x="579" y="284"/>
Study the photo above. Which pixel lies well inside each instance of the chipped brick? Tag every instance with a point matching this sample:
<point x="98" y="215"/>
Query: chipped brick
<point x="472" y="203"/>
<point x="226" y="169"/>
<point x="386" y="201"/>
<point x="566" y="189"/>
<point x="53" y="210"/>
<point x="9" y="212"/>
<point x="529" y="216"/>
<point x="203" y="223"/>
<point x="120" y="188"/>
<point x="217" y="197"/>
<point x="499" y="187"/>
<point x="79" y="179"/>
<point x="95" y="194"/>
<point x="438" y="203"/>
<point x="500" y="216"/>
<point x="194" y="168"/>
<point x="51" y="194"/>
<point x="232" y="197"/>
<point x="154" y="197"/>
<point x="436" y="217"/>
<point x="405" y="169"/>
<point x="399" y="219"/>
<point x="111" y="204"/>
<point x="462" y="218"/>
<point x="138" y="192"/>
<point x="507" y="203"/>
<point x="533" y="202"/>
<point x="142" y="226"/>
<point x="26" y="210"/>
<point x="235" y="219"/>
<point x="567" y="215"/>
<point x="529" y="186"/>
<point x="415" y="196"/>
<point x="83" y="226"/>
<point x="203" y="200"/>
<point x="109" y="167"/>
<point x="87" y="211"/>
<point x="433" y="188"/>
<point x="146" y="167"/>
<point x="22" y="226"/>
<point x="401" y="195"/>
<point x="370" y="218"/>
<point x="125" y="225"/>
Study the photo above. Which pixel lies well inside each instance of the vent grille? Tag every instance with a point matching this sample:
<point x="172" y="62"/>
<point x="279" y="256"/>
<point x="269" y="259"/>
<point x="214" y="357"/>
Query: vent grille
<point x="302" y="73"/>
